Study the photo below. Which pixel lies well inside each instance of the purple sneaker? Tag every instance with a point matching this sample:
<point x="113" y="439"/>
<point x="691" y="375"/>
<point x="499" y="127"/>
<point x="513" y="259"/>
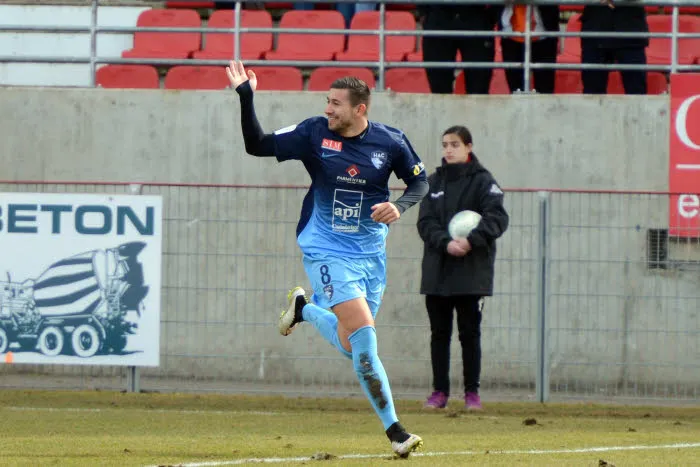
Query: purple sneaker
<point x="437" y="400"/>
<point x="472" y="401"/>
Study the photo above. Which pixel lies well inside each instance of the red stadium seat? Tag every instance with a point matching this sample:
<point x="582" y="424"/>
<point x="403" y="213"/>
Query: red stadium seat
<point x="253" y="45"/>
<point x="569" y="82"/>
<point x="407" y="80"/>
<point x="659" y="50"/>
<point x="293" y="46"/>
<point x="279" y="78"/>
<point x="127" y="77"/>
<point x="166" y="44"/>
<point x="322" y="78"/>
<point x="415" y="56"/>
<point x="577" y="8"/>
<point x="683" y="10"/>
<point x="499" y="84"/>
<point x="656" y="83"/>
<point x="366" y="47"/>
<point x="196" y="77"/>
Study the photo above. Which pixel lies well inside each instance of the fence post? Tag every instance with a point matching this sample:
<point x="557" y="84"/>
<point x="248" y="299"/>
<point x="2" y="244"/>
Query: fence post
<point x="237" y="31"/>
<point x="93" y="43"/>
<point x="674" y="39"/>
<point x="382" y="41"/>
<point x="542" y="380"/>
<point x="133" y="377"/>
<point x="527" y="56"/>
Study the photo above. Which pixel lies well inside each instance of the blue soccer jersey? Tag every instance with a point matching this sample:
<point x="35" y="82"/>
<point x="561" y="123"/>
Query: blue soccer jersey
<point x="348" y="177"/>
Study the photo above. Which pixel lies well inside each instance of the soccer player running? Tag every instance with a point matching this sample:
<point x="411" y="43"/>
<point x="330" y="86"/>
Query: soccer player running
<point x="344" y="223"/>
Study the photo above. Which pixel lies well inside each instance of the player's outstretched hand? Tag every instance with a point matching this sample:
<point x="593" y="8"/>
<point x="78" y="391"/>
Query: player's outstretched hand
<point x="237" y="75"/>
<point x="386" y="213"/>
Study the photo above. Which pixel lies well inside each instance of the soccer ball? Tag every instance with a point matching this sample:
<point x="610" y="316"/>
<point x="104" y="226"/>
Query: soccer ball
<point x="463" y="223"/>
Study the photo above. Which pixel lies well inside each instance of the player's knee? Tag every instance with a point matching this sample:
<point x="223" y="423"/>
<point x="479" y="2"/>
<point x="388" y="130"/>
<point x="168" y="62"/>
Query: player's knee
<point x="353" y="315"/>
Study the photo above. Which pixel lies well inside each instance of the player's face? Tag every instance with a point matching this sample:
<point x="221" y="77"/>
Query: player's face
<point x="340" y="112"/>
<point x="454" y="150"/>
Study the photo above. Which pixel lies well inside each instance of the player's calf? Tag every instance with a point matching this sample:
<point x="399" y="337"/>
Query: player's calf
<point x="292" y="316"/>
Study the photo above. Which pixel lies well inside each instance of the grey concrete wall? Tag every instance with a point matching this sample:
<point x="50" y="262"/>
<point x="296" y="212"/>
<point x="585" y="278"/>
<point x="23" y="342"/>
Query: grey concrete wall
<point x="230" y="253"/>
<point x="610" y="142"/>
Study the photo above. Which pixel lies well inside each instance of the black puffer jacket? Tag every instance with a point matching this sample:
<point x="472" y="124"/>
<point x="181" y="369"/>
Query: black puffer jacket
<point x="619" y="19"/>
<point x="454" y="188"/>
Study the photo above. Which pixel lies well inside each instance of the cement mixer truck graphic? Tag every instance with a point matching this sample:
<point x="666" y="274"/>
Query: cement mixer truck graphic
<point x="77" y="306"/>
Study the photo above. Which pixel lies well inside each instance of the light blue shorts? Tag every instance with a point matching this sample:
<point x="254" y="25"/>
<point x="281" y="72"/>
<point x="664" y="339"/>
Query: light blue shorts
<point x="336" y="280"/>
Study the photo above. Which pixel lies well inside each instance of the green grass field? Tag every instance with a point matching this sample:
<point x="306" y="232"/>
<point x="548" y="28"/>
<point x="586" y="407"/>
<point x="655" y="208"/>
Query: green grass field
<point x="118" y="429"/>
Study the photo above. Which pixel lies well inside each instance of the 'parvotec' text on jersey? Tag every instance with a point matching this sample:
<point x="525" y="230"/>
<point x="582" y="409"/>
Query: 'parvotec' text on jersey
<point x="348" y="177"/>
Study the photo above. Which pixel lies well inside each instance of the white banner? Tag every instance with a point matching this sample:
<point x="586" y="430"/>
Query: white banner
<point x="80" y="279"/>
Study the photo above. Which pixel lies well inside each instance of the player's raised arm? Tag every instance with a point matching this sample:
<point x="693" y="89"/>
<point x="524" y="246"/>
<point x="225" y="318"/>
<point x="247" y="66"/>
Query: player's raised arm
<point x="257" y="143"/>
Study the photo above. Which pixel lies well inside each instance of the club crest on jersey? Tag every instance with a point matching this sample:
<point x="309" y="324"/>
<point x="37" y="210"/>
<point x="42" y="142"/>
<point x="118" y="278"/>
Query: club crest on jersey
<point x="378" y="159"/>
<point x="328" y="290"/>
<point x="332" y="145"/>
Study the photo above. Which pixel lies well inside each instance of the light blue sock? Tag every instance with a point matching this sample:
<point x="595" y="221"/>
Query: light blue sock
<point x="326" y="323"/>
<point x="371" y="374"/>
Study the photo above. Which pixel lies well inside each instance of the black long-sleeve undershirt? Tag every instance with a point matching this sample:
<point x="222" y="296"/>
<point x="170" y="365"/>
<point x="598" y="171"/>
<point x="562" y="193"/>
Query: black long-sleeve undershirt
<point x="257" y="143"/>
<point x="416" y="189"/>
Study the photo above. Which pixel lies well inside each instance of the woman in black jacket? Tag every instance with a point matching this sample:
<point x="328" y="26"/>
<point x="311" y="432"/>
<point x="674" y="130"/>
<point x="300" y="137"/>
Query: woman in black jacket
<point x="458" y="273"/>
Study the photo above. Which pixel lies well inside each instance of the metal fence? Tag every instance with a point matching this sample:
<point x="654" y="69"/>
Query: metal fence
<point x="586" y="305"/>
<point x="381" y="65"/>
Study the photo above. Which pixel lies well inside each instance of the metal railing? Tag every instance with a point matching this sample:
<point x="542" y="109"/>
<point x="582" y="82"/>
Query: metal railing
<point x="584" y="307"/>
<point x="381" y="64"/>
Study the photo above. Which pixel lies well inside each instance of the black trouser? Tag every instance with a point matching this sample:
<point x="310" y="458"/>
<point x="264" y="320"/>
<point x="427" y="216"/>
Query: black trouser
<point x="596" y="81"/>
<point x="541" y="51"/>
<point x="469" y="328"/>
<point x="472" y="49"/>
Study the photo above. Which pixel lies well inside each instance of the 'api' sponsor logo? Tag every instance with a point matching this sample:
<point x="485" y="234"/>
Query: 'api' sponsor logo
<point x="347" y="206"/>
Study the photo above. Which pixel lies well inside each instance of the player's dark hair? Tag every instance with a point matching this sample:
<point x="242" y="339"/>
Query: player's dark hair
<point x="461" y="131"/>
<point x="357" y="89"/>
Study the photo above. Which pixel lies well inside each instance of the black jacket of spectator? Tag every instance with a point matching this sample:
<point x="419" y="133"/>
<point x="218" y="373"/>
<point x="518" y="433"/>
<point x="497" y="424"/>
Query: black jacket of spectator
<point x="619" y="19"/>
<point x="454" y="188"/>
<point x="475" y="17"/>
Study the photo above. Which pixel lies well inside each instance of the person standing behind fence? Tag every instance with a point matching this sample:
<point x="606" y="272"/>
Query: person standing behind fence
<point x="458" y="273"/>
<point x="471" y="17"/>
<point x="629" y="51"/>
<point x="542" y="49"/>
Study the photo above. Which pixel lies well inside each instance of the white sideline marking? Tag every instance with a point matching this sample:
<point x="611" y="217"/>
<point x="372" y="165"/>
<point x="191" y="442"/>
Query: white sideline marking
<point x="132" y="409"/>
<point x="275" y="460"/>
